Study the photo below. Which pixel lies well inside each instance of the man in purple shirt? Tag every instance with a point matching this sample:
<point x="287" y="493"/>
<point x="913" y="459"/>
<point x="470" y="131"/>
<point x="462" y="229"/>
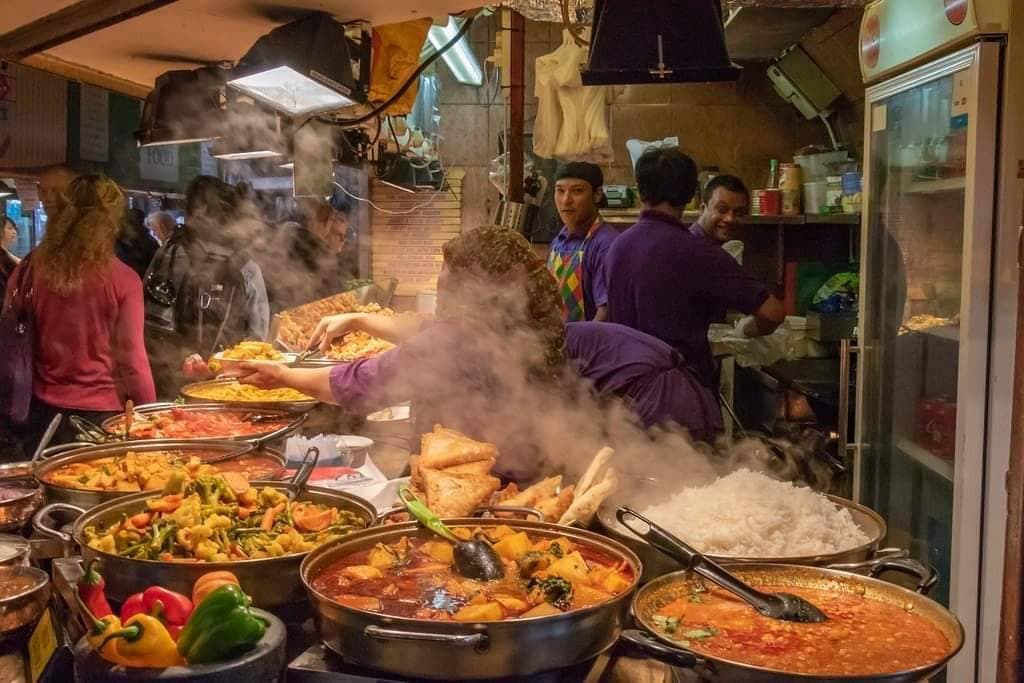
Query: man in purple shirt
<point x="648" y="374"/>
<point x="726" y="202"/>
<point x="578" y="253"/>
<point x="671" y="284"/>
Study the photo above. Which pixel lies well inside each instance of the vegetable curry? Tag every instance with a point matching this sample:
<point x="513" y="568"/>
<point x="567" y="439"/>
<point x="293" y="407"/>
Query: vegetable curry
<point x="414" y="577"/>
<point x="862" y="636"/>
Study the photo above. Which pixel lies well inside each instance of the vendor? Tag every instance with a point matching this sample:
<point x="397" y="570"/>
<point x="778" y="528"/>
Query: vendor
<point x="667" y="282"/>
<point x="578" y="254"/>
<point x="645" y="372"/>
<point x="725" y="203"/>
<point x="494" y="350"/>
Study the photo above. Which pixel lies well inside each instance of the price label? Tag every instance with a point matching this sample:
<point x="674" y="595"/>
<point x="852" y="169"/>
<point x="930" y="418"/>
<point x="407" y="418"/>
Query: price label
<point x="41" y="646"/>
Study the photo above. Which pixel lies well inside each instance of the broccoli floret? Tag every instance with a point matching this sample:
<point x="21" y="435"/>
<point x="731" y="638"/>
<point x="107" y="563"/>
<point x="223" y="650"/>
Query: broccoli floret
<point x="554" y="589"/>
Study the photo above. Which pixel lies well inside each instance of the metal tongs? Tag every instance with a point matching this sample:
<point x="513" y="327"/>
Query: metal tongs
<point x="783" y="606"/>
<point x="298" y="483"/>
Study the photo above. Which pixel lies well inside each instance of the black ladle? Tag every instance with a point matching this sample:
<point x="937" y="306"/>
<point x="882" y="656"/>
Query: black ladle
<point x="474" y="559"/>
<point x="784" y="606"/>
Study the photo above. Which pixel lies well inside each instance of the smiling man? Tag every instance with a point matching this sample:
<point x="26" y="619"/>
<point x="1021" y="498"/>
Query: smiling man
<point x="577" y="256"/>
<point x="726" y="202"/>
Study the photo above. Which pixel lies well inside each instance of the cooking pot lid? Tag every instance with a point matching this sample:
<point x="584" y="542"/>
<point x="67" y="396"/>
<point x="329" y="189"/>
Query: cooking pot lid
<point x="11" y="546"/>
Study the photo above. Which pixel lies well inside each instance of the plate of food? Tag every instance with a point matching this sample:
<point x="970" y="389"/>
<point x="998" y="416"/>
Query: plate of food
<point x="232" y="392"/>
<point x="229" y="360"/>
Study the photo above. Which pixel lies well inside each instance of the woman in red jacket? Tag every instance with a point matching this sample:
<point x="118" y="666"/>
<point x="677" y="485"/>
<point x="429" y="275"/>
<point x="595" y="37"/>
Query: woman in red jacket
<point x="89" y="351"/>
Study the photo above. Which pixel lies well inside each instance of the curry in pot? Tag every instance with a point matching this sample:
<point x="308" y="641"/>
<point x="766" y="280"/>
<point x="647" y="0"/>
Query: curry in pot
<point x="862" y="636"/>
<point x="414" y="577"/>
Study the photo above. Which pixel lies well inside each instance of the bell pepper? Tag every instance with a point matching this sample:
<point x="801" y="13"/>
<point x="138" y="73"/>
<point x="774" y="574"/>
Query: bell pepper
<point x="91" y="588"/>
<point x="98" y="633"/>
<point x="143" y="641"/>
<point x="173" y="609"/>
<point x="209" y="582"/>
<point x="221" y="627"/>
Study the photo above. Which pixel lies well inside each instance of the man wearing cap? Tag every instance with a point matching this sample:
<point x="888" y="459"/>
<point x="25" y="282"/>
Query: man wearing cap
<point x="577" y="256"/>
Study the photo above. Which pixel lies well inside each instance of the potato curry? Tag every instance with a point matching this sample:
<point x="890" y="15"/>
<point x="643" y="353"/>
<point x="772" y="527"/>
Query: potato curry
<point x="414" y="577"/>
<point x="862" y="636"/>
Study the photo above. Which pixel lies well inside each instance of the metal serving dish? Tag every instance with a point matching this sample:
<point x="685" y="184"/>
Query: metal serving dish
<point x="658" y="593"/>
<point x="188" y="392"/>
<point x="451" y="650"/>
<point x="73" y="453"/>
<point x="271" y="582"/>
<point x="862" y="557"/>
<point x="20" y="496"/>
<point x="114" y="426"/>
<point x="25" y="594"/>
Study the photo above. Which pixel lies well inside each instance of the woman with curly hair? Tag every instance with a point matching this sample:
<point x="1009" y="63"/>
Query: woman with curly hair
<point x="493" y="350"/>
<point x="87" y="307"/>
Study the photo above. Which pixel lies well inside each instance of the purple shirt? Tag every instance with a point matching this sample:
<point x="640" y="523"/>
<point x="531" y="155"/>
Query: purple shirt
<point x="595" y="258"/>
<point x="646" y="372"/>
<point x="671" y="284"/>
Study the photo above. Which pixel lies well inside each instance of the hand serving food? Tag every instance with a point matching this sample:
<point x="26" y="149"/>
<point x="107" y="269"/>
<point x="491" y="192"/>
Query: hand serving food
<point x="264" y="374"/>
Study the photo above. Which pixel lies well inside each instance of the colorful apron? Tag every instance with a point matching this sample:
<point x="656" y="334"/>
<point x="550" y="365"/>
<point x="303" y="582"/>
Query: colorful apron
<point x="568" y="272"/>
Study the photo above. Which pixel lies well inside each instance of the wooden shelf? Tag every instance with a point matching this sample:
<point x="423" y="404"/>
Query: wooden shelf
<point x="925" y="458"/>
<point x="936" y="186"/>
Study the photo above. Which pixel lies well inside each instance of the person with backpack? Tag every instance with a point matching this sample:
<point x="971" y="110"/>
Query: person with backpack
<point x="86" y="307"/>
<point x="204" y="291"/>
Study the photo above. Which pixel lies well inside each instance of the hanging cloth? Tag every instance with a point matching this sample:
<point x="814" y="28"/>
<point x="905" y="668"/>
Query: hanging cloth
<point x="396" y="54"/>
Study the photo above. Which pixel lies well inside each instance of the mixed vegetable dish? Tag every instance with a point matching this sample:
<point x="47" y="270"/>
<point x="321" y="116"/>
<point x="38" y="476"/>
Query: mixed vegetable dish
<point x="415" y="576"/>
<point x="222" y="518"/>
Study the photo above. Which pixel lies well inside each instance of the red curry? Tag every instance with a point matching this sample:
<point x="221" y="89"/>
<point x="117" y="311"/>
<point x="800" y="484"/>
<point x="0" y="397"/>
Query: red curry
<point x="176" y="423"/>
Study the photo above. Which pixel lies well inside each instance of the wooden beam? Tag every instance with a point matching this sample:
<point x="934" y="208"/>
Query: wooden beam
<point x="83" y="74"/>
<point x="516" y="107"/>
<point x="73" y="21"/>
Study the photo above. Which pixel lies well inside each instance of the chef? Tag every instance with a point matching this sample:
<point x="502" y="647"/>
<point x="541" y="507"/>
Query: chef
<point x="671" y="284"/>
<point x="725" y="203"/>
<point x="578" y="253"/>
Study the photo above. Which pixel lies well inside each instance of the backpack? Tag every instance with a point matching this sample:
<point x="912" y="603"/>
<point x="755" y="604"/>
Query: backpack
<point x="195" y="297"/>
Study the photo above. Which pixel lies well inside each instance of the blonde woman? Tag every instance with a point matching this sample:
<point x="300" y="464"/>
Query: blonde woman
<point x="87" y="305"/>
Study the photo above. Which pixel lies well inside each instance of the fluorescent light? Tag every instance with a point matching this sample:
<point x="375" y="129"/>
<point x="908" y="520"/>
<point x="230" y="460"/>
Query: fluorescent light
<point x="459" y="57"/>
<point x="175" y="141"/>
<point x="290" y="166"/>
<point x="254" y="154"/>
<point x="286" y="89"/>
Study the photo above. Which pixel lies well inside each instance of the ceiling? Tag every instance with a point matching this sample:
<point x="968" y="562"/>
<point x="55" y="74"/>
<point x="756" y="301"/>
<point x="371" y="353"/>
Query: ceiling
<point x="186" y="33"/>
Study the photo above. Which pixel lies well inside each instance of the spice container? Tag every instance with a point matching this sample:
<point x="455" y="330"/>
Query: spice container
<point x="790" y="177"/>
<point x="766" y="202"/>
<point x="833" y="195"/>
<point x="851" y="199"/>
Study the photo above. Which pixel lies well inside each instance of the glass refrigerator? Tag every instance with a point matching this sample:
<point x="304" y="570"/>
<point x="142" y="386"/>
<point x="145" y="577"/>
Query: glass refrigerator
<point x="937" y="307"/>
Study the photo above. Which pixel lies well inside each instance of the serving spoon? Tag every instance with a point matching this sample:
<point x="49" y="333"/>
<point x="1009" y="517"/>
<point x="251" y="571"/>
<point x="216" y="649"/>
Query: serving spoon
<point x="474" y="559"/>
<point x="783" y="606"/>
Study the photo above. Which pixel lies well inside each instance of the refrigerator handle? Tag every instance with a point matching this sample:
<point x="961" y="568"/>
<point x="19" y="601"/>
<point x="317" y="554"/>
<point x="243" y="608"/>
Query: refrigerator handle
<point x="846" y="451"/>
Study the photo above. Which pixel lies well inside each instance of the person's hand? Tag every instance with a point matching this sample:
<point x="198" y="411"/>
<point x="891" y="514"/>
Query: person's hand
<point x="330" y="328"/>
<point x="194" y="367"/>
<point x="265" y="374"/>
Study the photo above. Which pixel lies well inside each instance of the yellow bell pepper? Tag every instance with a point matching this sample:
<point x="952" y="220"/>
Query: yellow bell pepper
<point x="99" y="637"/>
<point x="144" y="642"/>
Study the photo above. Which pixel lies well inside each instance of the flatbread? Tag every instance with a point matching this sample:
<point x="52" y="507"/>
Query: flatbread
<point x="456" y="495"/>
<point x="585" y="506"/>
<point x="595" y="470"/>
<point x="443" y="448"/>
<point x="529" y="497"/>
<point x="554" y="508"/>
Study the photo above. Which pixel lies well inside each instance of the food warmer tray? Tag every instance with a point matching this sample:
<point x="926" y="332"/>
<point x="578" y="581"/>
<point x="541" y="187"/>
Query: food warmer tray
<point x="114" y="425"/>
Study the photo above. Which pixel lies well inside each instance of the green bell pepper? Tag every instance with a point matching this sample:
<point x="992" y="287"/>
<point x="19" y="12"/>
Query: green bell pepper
<point x="221" y="627"/>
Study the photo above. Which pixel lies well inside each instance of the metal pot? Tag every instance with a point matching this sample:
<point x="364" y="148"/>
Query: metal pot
<point x="20" y="496"/>
<point x="114" y="426"/>
<point x="20" y="609"/>
<point x="188" y="391"/>
<point x="451" y="650"/>
<point x="863" y="557"/>
<point x="65" y="454"/>
<point x="271" y="582"/>
<point x="652" y="597"/>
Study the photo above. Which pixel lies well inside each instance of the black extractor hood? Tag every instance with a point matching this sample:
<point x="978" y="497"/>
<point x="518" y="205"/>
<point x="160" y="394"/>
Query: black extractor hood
<point x="658" y="41"/>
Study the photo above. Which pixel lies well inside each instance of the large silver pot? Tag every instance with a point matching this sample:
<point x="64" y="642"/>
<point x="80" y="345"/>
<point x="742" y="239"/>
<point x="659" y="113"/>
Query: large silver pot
<point x="864" y="557"/>
<point x="450" y="650"/>
<point x="59" y="456"/>
<point x="658" y="593"/>
<point x="114" y="426"/>
<point x="272" y="582"/>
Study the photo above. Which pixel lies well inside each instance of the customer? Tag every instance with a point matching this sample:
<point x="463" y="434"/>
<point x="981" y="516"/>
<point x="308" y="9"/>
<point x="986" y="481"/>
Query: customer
<point x="87" y="307"/>
<point x="8" y="261"/>
<point x="135" y="245"/>
<point x="162" y="226"/>
<point x="578" y="253"/>
<point x="665" y="281"/>
<point x="725" y="203"/>
<point x="493" y="353"/>
<point x="53" y="182"/>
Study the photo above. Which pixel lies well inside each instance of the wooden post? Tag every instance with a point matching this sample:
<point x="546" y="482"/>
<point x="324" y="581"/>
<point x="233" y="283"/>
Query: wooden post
<point x="517" y="108"/>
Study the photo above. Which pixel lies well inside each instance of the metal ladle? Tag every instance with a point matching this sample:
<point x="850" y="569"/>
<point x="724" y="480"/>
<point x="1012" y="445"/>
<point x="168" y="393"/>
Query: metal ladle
<point x="784" y="606"/>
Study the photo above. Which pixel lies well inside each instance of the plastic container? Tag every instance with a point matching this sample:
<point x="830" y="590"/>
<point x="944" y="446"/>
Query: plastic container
<point x="815" y="166"/>
<point x="834" y="195"/>
<point x="354" y="449"/>
<point x="851" y="186"/>
<point x="815" y="196"/>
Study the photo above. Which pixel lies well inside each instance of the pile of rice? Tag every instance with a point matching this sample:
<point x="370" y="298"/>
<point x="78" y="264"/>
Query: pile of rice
<point x="747" y="514"/>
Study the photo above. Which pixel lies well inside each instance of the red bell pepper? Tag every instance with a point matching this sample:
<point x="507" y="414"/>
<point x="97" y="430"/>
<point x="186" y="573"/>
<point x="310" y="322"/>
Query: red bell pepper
<point x="91" y="588"/>
<point x="173" y="609"/>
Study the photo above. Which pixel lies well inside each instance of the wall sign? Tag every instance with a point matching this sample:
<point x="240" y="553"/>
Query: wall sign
<point x="94" y="124"/>
<point x="159" y="163"/>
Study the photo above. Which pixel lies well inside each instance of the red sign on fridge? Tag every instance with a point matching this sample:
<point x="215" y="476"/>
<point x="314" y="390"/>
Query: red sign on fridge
<point x="870" y="44"/>
<point x="956" y="11"/>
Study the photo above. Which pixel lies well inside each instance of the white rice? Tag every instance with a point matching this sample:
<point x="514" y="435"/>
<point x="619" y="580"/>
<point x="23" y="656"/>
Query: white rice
<point x="747" y="514"/>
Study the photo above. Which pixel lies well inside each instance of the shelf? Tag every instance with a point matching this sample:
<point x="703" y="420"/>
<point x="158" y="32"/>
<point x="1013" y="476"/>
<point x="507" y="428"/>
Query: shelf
<point x="832" y="218"/>
<point x="947" y="332"/>
<point x="936" y="186"/>
<point x="925" y="458"/>
<point x="622" y="216"/>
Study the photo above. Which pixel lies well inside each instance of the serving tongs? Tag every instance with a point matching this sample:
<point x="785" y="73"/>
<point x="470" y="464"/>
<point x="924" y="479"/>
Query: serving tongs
<point x="783" y="606"/>
<point x="89" y="431"/>
<point x="297" y="484"/>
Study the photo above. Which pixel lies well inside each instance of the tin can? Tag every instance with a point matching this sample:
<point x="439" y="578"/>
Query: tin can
<point x="790" y="177"/>
<point x="790" y="202"/>
<point x="766" y="202"/>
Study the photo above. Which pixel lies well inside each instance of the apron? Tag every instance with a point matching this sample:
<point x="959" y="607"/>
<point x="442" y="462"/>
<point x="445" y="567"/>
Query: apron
<point x="568" y="272"/>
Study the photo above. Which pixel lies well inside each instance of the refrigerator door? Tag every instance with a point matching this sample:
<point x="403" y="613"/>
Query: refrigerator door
<point x="930" y="155"/>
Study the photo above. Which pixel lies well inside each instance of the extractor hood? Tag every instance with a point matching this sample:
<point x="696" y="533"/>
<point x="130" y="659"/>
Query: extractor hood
<point x="658" y="41"/>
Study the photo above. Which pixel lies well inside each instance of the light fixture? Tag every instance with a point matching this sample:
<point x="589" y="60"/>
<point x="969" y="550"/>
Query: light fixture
<point x="459" y="57"/>
<point x="184" y="106"/>
<point x="6" y="190"/>
<point x="250" y="132"/>
<point x="302" y="68"/>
